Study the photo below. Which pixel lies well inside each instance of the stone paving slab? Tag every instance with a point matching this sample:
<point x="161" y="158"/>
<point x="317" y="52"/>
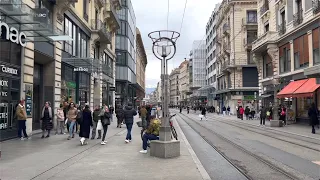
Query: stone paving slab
<point x="57" y="158"/>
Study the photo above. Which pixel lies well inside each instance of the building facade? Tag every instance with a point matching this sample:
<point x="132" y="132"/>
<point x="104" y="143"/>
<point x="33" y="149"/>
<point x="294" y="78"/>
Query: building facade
<point x="174" y="87"/>
<point x="65" y="51"/>
<point x="184" y="83"/>
<point x="158" y="93"/>
<point x="287" y="52"/>
<point x="197" y="70"/>
<point x="211" y="76"/>
<point x="126" y="81"/>
<point x="141" y="67"/>
<point x="237" y="76"/>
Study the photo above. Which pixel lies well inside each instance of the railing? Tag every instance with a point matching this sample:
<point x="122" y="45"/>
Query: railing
<point x="264" y="8"/>
<point x="252" y="21"/>
<point x="113" y="11"/>
<point x="316" y="6"/>
<point x="98" y="25"/>
<point x="282" y="28"/>
<point x="298" y="17"/>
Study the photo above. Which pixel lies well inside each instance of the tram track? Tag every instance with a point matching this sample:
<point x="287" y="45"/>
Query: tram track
<point x="230" y="146"/>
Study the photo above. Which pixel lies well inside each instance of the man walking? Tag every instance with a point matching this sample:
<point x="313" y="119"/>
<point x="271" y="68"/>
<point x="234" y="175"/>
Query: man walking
<point x="129" y="114"/>
<point x="22" y="118"/>
<point x="263" y="115"/>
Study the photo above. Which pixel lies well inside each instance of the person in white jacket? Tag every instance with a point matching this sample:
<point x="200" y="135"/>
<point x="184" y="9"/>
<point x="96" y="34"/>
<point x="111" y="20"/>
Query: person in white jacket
<point x="60" y="120"/>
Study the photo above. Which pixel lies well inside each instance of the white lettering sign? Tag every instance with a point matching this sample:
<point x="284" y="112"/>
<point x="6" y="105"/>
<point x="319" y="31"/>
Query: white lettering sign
<point x="4" y="94"/>
<point x="3" y="83"/>
<point x="3" y="115"/>
<point x="12" y="34"/>
<point x="9" y="70"/>
<point x="81" y="69"/>
<point x="3" y="126"/>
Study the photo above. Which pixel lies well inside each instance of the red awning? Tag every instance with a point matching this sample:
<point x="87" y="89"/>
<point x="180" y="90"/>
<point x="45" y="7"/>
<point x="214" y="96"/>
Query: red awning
<point x="307" y="89"/>
<point x="288" y="91"/>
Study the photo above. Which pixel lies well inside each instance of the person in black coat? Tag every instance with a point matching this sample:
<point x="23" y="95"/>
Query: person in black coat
<point x="46" y="119"/>
<point x="85" y="124"/>
<point x="129" y="114"/>
<point x="119" y="115"/>
<point x="313" y="114"/>
<point x="203" y="112"/>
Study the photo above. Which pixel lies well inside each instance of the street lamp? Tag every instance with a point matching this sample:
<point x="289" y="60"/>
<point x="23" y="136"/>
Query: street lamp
<point x="164" y="48"/>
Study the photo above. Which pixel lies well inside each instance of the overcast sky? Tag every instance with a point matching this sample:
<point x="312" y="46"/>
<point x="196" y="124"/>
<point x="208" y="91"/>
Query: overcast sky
<point x="151" y="15"/>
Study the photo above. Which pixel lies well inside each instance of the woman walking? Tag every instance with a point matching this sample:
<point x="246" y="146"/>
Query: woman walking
<point x="120" y="116"/>
<point x="46" y="118"/>
<point x="60" y="120"/>
<point x="105" y="123"/>
<point x="313" y="115"/>
<point x="72" y="116"/>
<point x="85" y="124"/>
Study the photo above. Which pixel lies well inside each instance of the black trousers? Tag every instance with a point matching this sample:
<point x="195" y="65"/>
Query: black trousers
<point x="105" y="130"/>
<point x="262" y="120"/>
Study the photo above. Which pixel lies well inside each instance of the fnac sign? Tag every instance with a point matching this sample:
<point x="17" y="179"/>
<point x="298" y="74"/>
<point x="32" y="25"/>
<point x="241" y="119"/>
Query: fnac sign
<point x="12" y="34"/>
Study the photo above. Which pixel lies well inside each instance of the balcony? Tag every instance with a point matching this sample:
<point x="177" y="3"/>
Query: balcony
<point x="100" y="3"/>
<point x="282" y="28"/>
<point x="226" y="48"/>
<point x="226" y="29"/>
<point x="298" y="17"/>
<point x="251" y="24"/>
<point x="264" y="8"/>
<point x="111" y="15"/>
<point x="99" y="27"/>
<point x="316" y="6"/>
<point x="260" y="44"/>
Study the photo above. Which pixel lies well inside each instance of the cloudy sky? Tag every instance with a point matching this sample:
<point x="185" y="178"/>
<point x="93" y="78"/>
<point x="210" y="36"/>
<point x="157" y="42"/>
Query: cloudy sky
<point x="151" y="15"/>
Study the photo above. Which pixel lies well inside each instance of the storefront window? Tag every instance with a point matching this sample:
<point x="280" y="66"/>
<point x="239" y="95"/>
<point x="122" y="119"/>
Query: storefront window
<point x="303" y="105"/>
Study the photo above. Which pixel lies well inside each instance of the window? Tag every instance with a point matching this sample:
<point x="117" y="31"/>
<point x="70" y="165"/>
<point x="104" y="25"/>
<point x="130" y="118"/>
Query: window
<point x="251" y="16"/>
<point x="70" y="30"/>
<point x="121" y="58"/>
<point x="316" y="45"/>
<point x="266" y="27"/>
<point x="85" y="10"/>
<point x="285" y="58"/>
<point x="301" y="52"/>
<point x="250" y="57"/>
<point x="267" y="66"/>
<point x="83" y="44"/>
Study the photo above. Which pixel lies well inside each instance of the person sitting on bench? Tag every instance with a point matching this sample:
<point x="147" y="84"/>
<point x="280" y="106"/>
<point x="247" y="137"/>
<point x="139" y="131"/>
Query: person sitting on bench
<point x="152" y="133"/>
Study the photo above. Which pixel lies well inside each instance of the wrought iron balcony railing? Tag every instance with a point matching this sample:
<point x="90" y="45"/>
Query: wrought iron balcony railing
<point x="264" y="8"/>
<point x="282" y="28"/>
<point x="298" y="17"/>
<point x="100" y="27"/>
<point x="316" y="6"/>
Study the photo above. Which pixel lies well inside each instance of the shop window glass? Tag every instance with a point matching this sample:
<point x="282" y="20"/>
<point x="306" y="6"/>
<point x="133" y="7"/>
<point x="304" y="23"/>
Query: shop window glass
<point x="316" y="45"/>
<point x="303" y="105"/>
<point x="15" y="96"/>
<point x="15" y="84"/>
<point x="301" y="52"/>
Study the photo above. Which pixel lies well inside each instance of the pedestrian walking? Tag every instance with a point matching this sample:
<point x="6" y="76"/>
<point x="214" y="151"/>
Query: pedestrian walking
<point x="313" y="115"/>
<point x="224" y="109"/>
<point x="218" y="110"/>
<point x="180" y="109"/>
<point x="60" y="120"/>
<point x="188" y="109"/>
<point x="85" y="124"/>
<point x="241" y="112"/>
<point x="203" y="113"/>
<point x="282" y="114"/>
<point x="247" y="112"/>
<point x="65" y="112"/>
<point x="263" y="115"/>
<point x="79" y="118"/>
<point x="143" y="115"/>
<point x="105" y="119"/>
<point x="120" y="116"/>
<point x="21" y="116"/>
<point x="228" y="110"/>
<point x="111" y="109"/>
<point x="95" y="120"/>
<point x="72" y="117"/>
<point x="46" y="120"/>
<point x="129" y="114"/>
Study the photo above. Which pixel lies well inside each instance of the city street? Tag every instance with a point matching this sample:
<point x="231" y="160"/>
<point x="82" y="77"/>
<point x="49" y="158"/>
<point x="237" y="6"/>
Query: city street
<point x="248" y="151"/>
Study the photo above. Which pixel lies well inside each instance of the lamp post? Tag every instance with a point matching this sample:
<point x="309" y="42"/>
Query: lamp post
<point x="164" y="49"/>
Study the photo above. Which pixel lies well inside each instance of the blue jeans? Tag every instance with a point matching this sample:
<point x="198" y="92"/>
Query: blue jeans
<point x="71" y="127"/>
<point x="22" y="127"/>
<point x="146" y="137"/>
<point x="129" y="128"/>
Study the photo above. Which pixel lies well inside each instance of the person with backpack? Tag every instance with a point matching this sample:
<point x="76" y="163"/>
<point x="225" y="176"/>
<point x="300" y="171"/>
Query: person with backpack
<point x="129" y="114"/>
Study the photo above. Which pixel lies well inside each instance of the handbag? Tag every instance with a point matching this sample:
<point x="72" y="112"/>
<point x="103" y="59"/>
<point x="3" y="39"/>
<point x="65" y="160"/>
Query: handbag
<point x="106" y="121"/>
<point x="99" y="125"/>
<point x="66" y="121"/>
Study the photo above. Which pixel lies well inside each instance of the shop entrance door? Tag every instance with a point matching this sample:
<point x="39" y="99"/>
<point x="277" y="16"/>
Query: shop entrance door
<point x="37" y="92"/>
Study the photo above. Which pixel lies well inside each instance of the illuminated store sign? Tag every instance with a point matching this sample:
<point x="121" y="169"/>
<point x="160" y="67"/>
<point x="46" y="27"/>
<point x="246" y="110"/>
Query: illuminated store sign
<point x="12" y="34"/>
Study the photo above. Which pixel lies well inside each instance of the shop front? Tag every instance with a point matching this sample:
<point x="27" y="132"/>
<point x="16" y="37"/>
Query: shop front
<point x="10" y="78"/>
<point x="298" y="97"/>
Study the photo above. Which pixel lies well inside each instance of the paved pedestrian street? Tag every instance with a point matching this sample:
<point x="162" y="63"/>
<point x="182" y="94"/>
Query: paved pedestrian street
<point x="57" y="158"/>
<point x="256" y="152"/>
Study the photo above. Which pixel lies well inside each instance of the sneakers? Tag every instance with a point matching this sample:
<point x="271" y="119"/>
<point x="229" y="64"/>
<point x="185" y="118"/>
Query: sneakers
<point x="127" y="141"/>
<point x="22" y="138"/>
<point x="144" y="151"/>
<point x="82" y="141"/>
<point x="104" y="142"/>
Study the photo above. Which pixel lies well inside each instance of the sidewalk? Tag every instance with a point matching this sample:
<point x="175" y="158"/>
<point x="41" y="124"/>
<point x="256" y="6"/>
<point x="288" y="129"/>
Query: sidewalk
<point x="299" y="129"/>
<point x="58" y="158"/>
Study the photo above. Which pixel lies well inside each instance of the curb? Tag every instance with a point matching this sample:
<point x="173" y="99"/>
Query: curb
<point x="203" y="172"/>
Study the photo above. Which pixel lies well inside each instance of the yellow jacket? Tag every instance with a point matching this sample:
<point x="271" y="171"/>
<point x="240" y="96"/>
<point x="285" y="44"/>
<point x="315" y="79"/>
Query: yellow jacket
<point x="21" y="113"/>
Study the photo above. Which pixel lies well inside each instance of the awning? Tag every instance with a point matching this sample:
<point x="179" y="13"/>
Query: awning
<point x="307" y="89"/>
<point x="289" y="90"/>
